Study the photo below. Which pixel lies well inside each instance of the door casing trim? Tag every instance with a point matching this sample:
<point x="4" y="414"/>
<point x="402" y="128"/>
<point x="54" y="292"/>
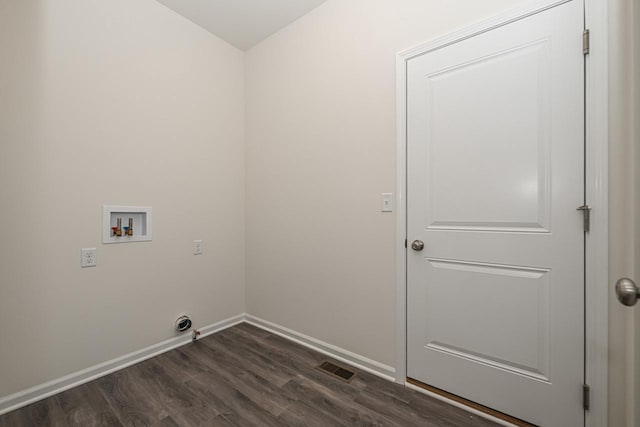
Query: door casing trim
<point x="596" y="190"/>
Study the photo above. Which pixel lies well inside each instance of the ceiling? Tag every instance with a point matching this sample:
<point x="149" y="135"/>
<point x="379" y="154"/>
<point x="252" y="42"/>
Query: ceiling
<point x="243" y="23"/>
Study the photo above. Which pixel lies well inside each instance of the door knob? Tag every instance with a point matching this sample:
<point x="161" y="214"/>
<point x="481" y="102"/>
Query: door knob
<point x="627" y="292"/>
<point x="417" y="245"/>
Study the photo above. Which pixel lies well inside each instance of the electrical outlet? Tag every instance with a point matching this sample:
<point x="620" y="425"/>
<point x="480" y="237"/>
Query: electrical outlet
<point x="197" y="247"/>
<point x="88" y="257"/>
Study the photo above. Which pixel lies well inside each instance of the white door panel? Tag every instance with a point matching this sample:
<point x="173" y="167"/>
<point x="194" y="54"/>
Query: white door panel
<point x="523" y="297"/>
<point x="495" y="174"/>
<point x="457" y="185"/>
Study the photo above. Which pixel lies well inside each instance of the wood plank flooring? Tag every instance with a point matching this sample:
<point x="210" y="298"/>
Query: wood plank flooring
<point x="242" y="376"/>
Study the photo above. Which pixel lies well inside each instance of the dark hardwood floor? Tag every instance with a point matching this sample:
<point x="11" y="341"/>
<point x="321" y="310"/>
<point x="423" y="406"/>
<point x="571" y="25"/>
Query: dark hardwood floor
<point x="242" y="376"/>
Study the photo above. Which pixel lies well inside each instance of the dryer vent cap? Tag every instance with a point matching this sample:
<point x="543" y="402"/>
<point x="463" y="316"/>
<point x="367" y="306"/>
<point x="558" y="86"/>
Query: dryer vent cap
<point x="183" y="324"/>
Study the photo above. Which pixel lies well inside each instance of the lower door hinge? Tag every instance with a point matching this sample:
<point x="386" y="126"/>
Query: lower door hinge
<point x="586" y="397"/>
<point x="586" y="213"/>
<point x="586" y="42"/>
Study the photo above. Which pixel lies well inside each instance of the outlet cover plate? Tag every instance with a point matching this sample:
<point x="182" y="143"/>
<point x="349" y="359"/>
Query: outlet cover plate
<point x="88" y="257"/>
<point x="386" y="200"/>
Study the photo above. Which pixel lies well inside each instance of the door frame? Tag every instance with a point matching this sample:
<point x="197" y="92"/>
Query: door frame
<point x="596" y="190"/>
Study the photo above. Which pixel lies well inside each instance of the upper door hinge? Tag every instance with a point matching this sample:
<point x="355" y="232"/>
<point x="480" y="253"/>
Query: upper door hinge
<point x="586" y="396"/>
<point x="585" y="42"/>
<point x="586" y="214"/>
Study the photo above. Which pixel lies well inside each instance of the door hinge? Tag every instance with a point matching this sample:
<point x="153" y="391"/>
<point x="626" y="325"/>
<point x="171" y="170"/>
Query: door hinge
<point x="585" y="42"/>
<point x="405" y="243"/>
<point x="586" y="396"/>
<point x="586" y="213"/>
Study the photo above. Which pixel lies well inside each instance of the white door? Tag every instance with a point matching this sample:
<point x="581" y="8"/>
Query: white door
<point x="495" y="300"/>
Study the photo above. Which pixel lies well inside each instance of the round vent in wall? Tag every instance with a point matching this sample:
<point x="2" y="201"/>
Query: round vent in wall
<point x="183" y="323"/>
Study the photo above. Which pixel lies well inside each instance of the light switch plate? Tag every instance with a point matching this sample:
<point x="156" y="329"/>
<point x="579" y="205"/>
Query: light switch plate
<point x="197" y="247"/>
<point x="88" y="257"/>
<point x="387" y="202"/>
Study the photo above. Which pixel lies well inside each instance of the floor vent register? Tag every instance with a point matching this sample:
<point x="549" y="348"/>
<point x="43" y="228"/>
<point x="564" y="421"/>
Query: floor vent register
<point x="337" y="371"/>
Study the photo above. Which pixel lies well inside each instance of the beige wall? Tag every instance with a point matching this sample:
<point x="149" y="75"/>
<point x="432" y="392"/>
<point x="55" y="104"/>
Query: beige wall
<point x="113" y="102"/>
<point x="320" y="150"/>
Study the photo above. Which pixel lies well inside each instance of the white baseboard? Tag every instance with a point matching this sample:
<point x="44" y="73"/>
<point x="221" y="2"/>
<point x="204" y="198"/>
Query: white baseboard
<point x="42" y="391"/>
<point x="356" y="360"/>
